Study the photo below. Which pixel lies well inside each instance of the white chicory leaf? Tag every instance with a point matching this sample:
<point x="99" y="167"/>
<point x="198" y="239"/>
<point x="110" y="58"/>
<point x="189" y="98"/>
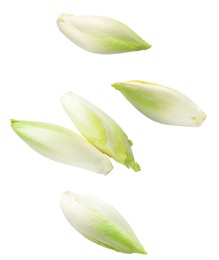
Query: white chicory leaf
<point x="99" y="129"/>
<point x="99" y="222"/>
<point x="161" y="104"/>
<point x="100" y="34"/>
<point x="62" y="145"/>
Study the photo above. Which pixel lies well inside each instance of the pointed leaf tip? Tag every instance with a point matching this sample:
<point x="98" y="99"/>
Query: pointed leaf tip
<point x="12" y="121"/>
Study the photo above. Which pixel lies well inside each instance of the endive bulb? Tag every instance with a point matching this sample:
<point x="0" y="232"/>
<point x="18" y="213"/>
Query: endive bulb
<point x="161" y="104"/>
<point x="62" y="145"/>
<point x="99" y="222"/>
<point x="99" y="129"/>
<point x="100" y="34"/>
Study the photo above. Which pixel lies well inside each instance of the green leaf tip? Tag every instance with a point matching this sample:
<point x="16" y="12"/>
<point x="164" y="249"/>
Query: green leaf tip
<point x="13" y="121"/>
<point x="130" y="163"/>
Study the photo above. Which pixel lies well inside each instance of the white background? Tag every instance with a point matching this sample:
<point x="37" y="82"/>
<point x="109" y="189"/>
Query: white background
<point x="172" y="204"/>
